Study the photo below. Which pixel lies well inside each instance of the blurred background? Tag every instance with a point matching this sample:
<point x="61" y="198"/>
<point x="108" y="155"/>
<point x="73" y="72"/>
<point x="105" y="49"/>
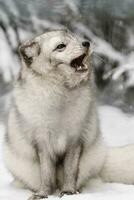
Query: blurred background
<point x="109" y="25"/>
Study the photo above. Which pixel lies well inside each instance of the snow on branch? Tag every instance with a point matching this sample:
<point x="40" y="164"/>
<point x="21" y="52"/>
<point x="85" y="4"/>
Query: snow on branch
<point x="8" y="62"/>
<point x="100" y="46"/>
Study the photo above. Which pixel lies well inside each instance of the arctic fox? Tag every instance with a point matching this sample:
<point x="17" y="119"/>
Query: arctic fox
<point x="53" y="138"/>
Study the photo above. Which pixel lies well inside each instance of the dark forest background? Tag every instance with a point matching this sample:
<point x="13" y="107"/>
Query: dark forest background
<point x="109" y="25"/>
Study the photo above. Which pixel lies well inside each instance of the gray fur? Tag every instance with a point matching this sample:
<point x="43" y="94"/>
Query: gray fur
<point x="53" y="126"/>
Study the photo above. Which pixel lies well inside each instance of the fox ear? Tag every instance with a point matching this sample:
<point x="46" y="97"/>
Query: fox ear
<point x="28" y="51"/>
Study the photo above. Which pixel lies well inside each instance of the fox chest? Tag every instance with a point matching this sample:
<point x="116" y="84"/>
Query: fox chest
<point x="57" y="119"/>
<point x="55" y="112"/>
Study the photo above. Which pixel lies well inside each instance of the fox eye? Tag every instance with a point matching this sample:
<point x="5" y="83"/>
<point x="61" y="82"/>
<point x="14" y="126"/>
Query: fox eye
<point x="60" y="46"/>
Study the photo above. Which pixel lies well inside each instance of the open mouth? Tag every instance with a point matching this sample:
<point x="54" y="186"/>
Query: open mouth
<point x="77" y="63"/>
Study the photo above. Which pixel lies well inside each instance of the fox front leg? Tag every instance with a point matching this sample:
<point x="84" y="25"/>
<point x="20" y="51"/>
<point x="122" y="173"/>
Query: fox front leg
<point x="47" y="170"/>
<point x="71" y="163"/>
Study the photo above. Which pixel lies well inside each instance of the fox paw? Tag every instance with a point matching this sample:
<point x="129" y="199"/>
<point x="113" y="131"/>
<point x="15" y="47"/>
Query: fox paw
<point x="38" y="196"/>
<point x="68" y="193"/>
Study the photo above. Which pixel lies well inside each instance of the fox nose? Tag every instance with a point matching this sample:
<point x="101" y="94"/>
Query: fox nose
<point x="86" y="44"/>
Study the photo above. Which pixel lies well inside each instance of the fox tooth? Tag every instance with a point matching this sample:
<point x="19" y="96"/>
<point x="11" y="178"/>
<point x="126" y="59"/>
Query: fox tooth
<point x="80" y="67"/>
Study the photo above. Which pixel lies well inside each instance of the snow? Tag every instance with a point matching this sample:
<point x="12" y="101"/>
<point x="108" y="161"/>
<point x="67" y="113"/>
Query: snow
<point x="72" y="7"/>
<point x="12" y="5"/>
<point x="117" y="129"/>
<point x="8" y="62"/>
<point x="127" y="65"/>
<point x="38" y="23"/>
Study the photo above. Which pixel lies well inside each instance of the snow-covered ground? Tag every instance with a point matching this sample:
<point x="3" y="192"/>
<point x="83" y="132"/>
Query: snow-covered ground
<point x="117" y="129"/>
